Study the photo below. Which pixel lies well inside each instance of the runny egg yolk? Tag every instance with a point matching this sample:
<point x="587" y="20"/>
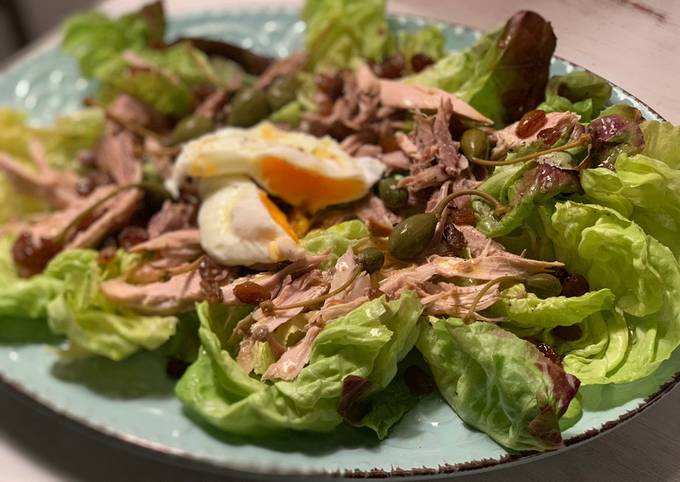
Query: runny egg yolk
<point x="278" y="216"/>
<point x="307" y="189"/>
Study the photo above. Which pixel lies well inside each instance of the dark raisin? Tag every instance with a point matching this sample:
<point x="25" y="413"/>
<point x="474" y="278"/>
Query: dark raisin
<point x="330" y="85"/>
<point x="106" y="255"/>
<point x="560" y="273"/>
<point x="388" y="143"/>
<point x="420" y="62"/>
<point x="392" y="67"/>
<point x="351" y="406"/>
<point x="374" y="293"/>
<point x="131" y="236"/>
<point x="89" y="183"/>
<point x="418" y="381"/>
<point x="530" y="123"/>
<point x="87" y="159"/>
<point x="549" y="352"/>
<point x="251" y="293"/>
<point x="575" y="285"/>
<point x="30" y="255"/>
<point x="568" y="333"/>
<point x="454" y="239"/>
<point x="175" y="368"/>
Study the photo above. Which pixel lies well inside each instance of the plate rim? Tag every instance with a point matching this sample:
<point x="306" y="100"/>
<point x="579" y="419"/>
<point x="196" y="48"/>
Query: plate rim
<point x="180" y="457"/>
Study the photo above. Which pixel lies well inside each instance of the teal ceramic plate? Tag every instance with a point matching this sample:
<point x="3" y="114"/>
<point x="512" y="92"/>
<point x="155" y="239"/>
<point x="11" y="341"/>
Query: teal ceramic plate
<point x="133" y="401"/>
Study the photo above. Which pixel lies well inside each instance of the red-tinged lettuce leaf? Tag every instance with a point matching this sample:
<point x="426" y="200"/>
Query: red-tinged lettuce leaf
<point x="499" y="383"/>
<point x="504" y="74"/>
<point x="613" y="135"/>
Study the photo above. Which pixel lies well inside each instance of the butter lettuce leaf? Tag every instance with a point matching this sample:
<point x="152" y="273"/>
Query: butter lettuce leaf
<point x="335" y="240"/>
<point x="662" y="142"/>
<point x="528" y="310"/>
<point x="360" y="343"/>
<point x="582" y="92"/>
<point x="340" y="31"/>
<point x="644" y="275"/>
<point x="498" y="383"/>
<point x="66" y="296"/>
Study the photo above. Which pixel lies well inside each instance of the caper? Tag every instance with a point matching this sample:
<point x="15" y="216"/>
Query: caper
<point x="543" y="285"/>
<point x="411" y="237"/>
<point x="393" y="196"/>
<point x="475" y="144"/>
<point x="282" y="91"/>
<point x="190" y="128"/>
<point x="248" y="108"/>
<point x="371" y="260"/>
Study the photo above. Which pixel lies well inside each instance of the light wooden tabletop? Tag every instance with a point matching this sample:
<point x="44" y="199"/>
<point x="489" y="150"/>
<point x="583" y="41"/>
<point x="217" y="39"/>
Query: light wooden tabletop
<point x="632" y="43"/>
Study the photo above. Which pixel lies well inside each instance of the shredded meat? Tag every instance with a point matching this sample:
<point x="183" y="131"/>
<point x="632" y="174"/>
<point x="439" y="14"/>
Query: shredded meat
<point x="291" y="363"/>
<point x="173" y="216"/>
<point x="284" y="67"/>
<point x="133" y="111"/>
<point x="398" y="94"/>
<point x="379" y="219"/>
<point x="162" y="298"/>
<point x="115" y="155"/>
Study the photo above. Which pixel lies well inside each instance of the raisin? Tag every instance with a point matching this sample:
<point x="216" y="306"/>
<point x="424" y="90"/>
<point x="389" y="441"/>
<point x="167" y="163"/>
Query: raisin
<point x="549" y="352"/>
<point x="464" y="215"/>
<point x="549" y="135"/>
<point x="418" y="381"/>
<point x="454" y="239"/>
<point x="575" y="285"/>
<point x="251" y="293"/>
<point x="175" y="368"/>
<point x="106" y="255"/>
<point x="530" y="123"/>
<point x="374" y="293"/>
<point x="330" y="85"/>
<point x="568" y="333"/>
<point x="392" y="67"/>
<point x="131" y="236"/>
<point x="420" y="62"/>
<point x="30" y="255"/>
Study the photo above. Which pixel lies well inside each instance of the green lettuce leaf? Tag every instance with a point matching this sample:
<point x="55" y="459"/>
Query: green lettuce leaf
<point x="504" y="74"/>
<point x="611" y="251"/>
<point x="662" y="142"/>
<point x="360" y="343"/>
<point x="67" y="295"/>
<point x="642" y="189"/>
<point x="167" y="82"/>
<point x="428" y="40"/>
<point x="582" y="92"/>
<point x="335" y="240"/>
<point x="498" y="383"/>
<point x="94" y="39"/>
<point x="339" y="31"/>
<point x="528" y="310"/>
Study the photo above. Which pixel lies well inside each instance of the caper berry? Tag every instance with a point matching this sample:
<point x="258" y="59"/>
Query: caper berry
<point x="543" y="285"/>
<point x="371" y="260"/>
<point x="475" y="144"/>
<point x="392" y="195"/>
<point x="281" y="91"/>
<point x="190" y="128"/>
<point x="248" y="108"/>
<point x="411" y="237"/>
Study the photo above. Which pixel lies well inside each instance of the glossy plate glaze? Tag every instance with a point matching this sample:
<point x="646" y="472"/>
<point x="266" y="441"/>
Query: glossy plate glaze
<point x="133" y="401"/>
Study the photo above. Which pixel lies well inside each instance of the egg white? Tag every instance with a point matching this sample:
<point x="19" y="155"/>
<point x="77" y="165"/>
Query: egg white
<point x="237" y="228"/>
<point x="301" y="169"/>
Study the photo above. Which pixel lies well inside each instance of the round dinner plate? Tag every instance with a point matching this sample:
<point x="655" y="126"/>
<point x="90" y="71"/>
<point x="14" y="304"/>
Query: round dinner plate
<point x="133" y="400"/>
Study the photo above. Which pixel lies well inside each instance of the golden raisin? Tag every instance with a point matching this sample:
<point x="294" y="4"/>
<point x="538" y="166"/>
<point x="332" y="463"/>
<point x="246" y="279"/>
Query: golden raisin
<point x="530" y="123"/>
<point x="251" y="293"/>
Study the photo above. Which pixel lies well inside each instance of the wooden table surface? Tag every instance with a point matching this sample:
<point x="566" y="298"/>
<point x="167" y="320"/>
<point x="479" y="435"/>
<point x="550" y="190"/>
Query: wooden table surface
<point x="632" y="43"/>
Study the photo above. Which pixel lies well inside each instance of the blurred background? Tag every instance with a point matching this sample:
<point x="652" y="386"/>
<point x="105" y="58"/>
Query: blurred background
<point x="24" y="20"/>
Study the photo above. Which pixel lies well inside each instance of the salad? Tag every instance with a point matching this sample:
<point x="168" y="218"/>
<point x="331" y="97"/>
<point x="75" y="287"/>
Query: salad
<point x="330" y="237"/>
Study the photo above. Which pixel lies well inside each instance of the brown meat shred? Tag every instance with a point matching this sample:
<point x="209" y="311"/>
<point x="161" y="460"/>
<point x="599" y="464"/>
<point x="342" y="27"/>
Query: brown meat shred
<point x="173" y="216"/>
